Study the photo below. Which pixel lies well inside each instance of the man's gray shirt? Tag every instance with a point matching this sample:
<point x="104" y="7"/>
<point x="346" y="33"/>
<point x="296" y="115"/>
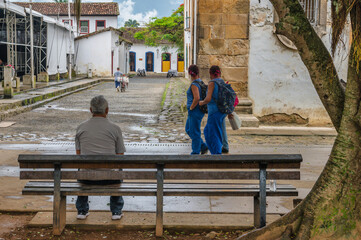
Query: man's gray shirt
<point x="99" y="135"/>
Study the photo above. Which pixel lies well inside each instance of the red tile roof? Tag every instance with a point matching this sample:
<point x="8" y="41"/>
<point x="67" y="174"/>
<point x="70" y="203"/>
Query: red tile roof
<point x="61" y="9"/>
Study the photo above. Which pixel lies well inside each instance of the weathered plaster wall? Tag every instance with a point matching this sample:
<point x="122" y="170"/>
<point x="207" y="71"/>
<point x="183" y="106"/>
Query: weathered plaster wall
<point x="97" y="51"/>
<point x="278" y="80"/>
<point x="110" y="21"/>
<point x="141" y="50"/>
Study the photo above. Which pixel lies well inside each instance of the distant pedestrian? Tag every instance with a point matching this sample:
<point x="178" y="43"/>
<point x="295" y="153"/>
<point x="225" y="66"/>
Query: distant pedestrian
<point x="213" y="131"/>
<point x="195" y="115"/>
<point x="117" y="78"/>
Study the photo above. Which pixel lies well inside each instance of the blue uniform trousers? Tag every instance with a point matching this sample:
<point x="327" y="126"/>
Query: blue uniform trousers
<point x="193" y="129"/>
<point x="213" y="132"/>
<point x="224" y="134"/>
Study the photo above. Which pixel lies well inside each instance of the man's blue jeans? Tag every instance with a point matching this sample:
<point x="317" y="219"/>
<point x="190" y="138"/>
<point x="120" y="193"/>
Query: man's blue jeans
<point x="224" y="135"/>
<point x="116" y="202"/>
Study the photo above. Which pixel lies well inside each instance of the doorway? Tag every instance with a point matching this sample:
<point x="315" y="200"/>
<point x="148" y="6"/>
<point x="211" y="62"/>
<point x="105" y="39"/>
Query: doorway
<point x="149" y="61"/>
<point x="180" y="58"/>
<point x="132" y="63"/>
<point x="166" y="62"/>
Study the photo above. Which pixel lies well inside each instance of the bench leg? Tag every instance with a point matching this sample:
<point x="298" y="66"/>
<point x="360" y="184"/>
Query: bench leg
<point x="59" y="215"/>
<point x="159" y="214"/>
<point x="256" y="212"/>
<point x="262" y="195"/>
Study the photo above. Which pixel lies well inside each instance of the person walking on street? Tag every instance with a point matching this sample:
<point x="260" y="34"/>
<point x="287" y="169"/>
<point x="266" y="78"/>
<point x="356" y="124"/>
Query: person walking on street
<point x="213" y="131"/>
<point x="195" y="115"/>
<point x="99" y="136"/>
<point x="117" y="78"/>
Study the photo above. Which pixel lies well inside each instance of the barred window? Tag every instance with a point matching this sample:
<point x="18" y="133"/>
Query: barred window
<point x="312" y="10"/>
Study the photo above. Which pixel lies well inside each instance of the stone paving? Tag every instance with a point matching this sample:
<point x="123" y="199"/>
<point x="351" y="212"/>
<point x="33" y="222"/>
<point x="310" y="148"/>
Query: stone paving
<point x="138" y="112"/>
<point x="142" y="120"/>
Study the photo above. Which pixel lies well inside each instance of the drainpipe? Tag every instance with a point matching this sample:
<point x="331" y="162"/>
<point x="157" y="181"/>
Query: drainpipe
<point x="195" y="33"/>
<point x="31" y="45"/>
<point x="69" y="25"/>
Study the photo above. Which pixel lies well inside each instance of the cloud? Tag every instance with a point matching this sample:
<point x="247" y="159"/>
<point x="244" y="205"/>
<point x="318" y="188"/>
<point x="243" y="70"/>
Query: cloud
<point x="126" y="10"/>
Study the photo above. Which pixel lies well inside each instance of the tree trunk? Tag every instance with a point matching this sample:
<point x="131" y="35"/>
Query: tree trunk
<point x="332" y="209"/>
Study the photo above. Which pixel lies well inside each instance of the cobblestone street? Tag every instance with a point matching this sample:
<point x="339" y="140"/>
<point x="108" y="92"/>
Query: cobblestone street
<point x="152" y="110"/>
<point x="138" y="112"/>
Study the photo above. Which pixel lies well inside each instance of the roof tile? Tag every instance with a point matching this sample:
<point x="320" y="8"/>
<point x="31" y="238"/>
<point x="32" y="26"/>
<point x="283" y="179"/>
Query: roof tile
<point x="61" y="9"/>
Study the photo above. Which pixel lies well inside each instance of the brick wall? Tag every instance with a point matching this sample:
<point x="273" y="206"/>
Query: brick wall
<point x="223" y="39"/>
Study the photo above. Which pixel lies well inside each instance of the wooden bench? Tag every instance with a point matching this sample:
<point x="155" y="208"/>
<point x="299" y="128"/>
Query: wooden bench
<point x="172" y="168"/>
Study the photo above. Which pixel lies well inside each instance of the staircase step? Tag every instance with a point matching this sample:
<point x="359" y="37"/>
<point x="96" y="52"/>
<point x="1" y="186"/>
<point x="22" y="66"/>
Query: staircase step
<point x="245" y="102"/>
<point x="248" y="120"/>
<point x="244" y="109"/>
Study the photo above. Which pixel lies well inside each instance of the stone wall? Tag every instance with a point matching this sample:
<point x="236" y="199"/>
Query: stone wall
<point x="223" y="39"/>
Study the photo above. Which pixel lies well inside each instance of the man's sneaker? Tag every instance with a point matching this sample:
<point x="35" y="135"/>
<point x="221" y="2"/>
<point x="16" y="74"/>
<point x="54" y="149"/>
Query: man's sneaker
<point x="225" y="150"/>
<point x="117" y="216"/>
<point x="82" y="215"/>
<point x="204" y="151"/>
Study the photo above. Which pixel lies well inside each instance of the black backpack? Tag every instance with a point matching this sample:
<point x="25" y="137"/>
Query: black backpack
<point x="203" y="95"/>
<point x="226" y="97"/>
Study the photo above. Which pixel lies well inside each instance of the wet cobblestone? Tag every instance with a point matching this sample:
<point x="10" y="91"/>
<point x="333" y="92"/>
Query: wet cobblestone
<point x="142" y="120"/>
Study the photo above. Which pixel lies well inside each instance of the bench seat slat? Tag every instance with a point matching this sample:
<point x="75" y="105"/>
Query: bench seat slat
<point x="176" y="175"/>
<point x="181" y="165"/>
<point x="161" y="159"/>
<point x="152" y="192"/>
<point x="36" y="184"/>
<point x="150" y="189"/>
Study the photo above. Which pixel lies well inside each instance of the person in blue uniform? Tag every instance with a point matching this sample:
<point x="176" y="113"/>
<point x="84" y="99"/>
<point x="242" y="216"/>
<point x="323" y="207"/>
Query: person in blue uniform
<point x="213" y="131"/>
<point x="195" y="115"/>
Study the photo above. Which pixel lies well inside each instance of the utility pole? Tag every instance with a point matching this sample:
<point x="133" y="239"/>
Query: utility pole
<point x="32" y="45"/>
<point x="70" y="58"/>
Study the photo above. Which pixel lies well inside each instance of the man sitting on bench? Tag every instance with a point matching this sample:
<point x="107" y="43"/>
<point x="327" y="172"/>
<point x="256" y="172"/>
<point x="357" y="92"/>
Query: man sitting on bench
<point x="99" y="136"/>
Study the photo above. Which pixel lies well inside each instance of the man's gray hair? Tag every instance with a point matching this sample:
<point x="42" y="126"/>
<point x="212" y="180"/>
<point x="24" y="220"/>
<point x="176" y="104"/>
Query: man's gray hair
<point x="99" y="104"/>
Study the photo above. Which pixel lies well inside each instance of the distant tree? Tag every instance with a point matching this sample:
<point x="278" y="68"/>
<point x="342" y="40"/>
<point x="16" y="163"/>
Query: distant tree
<point x="170" y="29"/>
<point x="131" y="23"/>
<point x="61" y="1"/>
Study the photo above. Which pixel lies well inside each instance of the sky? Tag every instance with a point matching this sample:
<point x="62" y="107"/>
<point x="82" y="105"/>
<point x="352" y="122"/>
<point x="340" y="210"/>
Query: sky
<point x="140" y="10"/>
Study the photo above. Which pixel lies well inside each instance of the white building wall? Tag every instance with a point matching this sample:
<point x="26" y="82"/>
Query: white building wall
<point x="278" y="80"/>
<point x="141" y="50"/>
<point x="110" y="21"/>
<point x="124" y="57"/>
<point x="95" y="50"/>
<point x="57" y="48"/>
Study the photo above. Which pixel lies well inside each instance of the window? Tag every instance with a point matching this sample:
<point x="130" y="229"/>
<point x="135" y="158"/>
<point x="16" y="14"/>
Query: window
<point x="68" y="21"/>
<point x="311" y="8"/>
<point x="100" y="24"/>
<point x="84" y="26"/>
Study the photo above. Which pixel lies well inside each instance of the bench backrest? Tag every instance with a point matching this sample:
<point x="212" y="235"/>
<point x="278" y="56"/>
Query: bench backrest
<point x="215" y="167"/>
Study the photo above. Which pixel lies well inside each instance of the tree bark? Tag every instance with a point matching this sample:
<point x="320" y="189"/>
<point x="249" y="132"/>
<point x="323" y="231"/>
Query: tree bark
<point x="332" y="209"/>
<point x="294" y="24"/>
